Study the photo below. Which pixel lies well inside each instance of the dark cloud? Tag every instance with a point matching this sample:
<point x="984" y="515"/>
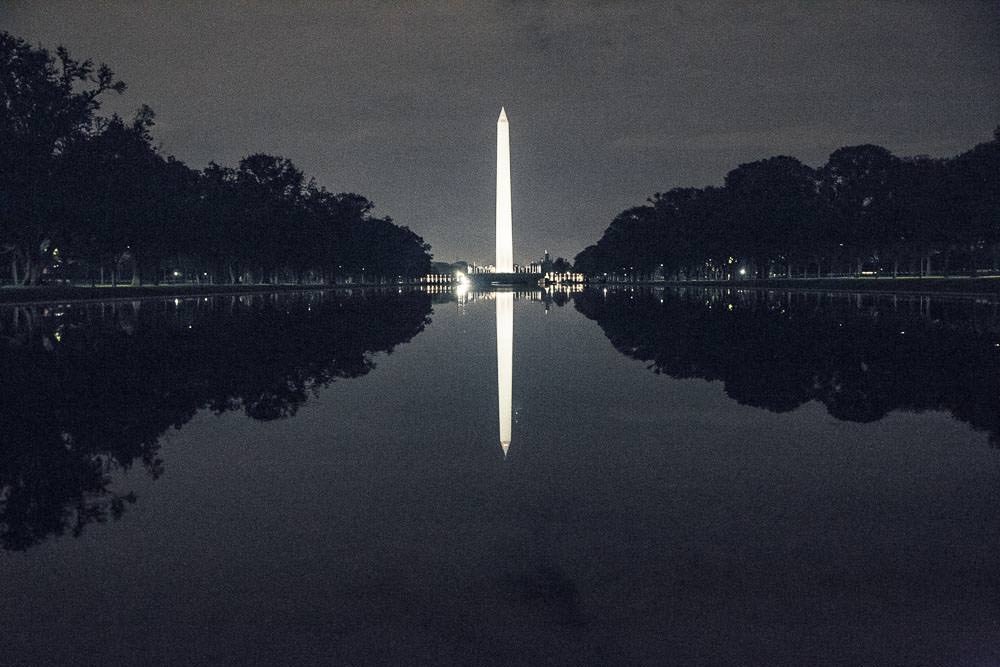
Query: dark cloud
<point x="608" y="101"/>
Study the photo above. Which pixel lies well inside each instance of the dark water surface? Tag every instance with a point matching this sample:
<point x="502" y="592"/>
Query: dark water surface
<point x="318" y="478"/>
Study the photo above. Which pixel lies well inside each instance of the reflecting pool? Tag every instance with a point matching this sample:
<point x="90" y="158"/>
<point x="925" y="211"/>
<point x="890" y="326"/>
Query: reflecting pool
<point x="631" y="476"/>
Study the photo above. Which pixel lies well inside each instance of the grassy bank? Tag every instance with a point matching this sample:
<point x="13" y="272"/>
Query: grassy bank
<point x="935" y="285"/>
<point x="64" y="293"/>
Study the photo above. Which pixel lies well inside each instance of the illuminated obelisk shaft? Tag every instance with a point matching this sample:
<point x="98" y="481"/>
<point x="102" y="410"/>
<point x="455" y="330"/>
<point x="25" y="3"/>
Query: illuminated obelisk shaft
<point x="505" y="243"/>
<point x="505" y="362"/>
<point x="505" y="264"/>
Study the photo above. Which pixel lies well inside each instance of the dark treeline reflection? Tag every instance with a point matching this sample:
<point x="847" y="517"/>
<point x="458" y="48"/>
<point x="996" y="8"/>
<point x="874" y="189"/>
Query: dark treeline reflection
<point x="90" y="389"/>
<point x="861" y="356"/>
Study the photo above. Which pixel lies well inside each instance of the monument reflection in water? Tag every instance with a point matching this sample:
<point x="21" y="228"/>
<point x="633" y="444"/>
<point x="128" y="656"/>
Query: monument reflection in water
<point x="505" y="363"/>
<point x="810" y="491"/>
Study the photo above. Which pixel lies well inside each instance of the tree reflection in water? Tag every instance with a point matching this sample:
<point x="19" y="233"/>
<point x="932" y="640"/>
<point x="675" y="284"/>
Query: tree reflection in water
<point x="90" y="389"/>
<point x="862" y="356"/>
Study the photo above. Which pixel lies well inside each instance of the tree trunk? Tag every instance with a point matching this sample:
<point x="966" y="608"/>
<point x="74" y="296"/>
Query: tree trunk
<point x="136" y="276"/>
<point x="32" y="272"/>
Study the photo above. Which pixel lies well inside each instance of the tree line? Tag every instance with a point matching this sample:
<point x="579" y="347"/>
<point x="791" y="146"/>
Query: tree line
<point x="866" y="211"/>
<point x="89" y="198"/>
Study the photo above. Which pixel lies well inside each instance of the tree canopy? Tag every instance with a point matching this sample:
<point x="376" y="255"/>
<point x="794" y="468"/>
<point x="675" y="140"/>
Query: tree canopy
<point x="83" y="196"/>
<point x="865" y="210"/>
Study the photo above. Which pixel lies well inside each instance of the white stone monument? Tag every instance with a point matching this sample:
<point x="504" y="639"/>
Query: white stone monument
<point x="505" y="243"/>
<point x="505" y="300"/>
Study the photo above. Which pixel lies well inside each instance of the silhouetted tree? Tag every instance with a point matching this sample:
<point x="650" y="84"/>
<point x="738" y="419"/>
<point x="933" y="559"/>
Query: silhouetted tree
<point x="778" y="216"/>
<point x="101" y="193"/>
<point x="774" y="209"/>
<point x="46" y="102"/>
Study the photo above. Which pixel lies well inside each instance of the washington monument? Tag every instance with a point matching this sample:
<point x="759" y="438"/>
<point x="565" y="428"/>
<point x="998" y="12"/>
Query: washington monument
<point x="505" y="243"/>
<point x="505" y="264"/>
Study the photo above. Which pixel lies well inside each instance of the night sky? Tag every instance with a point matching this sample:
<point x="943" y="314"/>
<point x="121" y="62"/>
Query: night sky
<point x="608" y="102"/>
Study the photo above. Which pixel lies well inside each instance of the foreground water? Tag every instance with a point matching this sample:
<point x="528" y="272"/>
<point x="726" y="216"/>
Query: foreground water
<point x="320" y="478"/>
